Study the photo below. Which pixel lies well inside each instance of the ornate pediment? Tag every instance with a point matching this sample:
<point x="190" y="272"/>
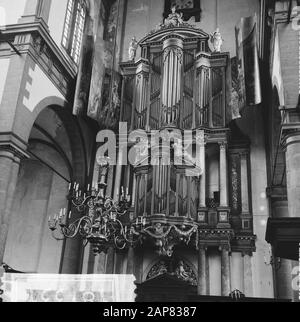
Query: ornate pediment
<point x="184" y="31"/>
<point x="174" y="24"/>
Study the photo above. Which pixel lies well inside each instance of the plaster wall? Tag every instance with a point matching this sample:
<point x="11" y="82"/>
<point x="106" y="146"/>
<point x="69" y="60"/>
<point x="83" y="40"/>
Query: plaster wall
<point x="11" y="11"/>
<point x="30" y="247"/>
<point x="38" y="86"/>
<point x="4" y="64"/>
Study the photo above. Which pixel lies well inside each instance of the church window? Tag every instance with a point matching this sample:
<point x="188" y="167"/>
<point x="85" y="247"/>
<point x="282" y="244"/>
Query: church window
<point x="73" y="28"/>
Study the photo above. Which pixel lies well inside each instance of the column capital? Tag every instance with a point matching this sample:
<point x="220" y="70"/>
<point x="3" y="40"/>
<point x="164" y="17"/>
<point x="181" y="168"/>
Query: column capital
<point x="223" y="145"/>
<point x="244" y="153"/>
<point x="12" y="144"/>
<point x="203" y="248"/>
<point x="247" y="253"/>
<point x="290" y="137"/>
<point x="225" y="248"/>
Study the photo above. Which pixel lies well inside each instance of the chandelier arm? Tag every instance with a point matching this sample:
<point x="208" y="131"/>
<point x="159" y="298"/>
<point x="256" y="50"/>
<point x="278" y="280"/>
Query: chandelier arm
<point x="121" y="225"/>
<point x="75" y="227"/>
<point x="57" y="238"/>
<point x="134" y="233"/>
<point x="84" y="202"/>
<point x="116" y="244"/>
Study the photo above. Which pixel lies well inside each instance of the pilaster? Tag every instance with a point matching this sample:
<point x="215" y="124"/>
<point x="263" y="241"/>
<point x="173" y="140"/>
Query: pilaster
<point x="10" y="157"/>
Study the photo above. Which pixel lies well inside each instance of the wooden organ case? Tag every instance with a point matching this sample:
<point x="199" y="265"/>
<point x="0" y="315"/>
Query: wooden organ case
<point x="178" y="94"/>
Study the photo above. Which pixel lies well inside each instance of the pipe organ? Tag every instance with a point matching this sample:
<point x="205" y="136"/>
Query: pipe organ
<point x="186" y="183"/>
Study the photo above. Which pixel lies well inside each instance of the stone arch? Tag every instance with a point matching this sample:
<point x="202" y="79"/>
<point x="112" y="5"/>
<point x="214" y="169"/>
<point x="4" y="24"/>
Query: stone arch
<point x="76" y="133"/>
<point x="80" y="164"/>
<point x="46" y="102"/>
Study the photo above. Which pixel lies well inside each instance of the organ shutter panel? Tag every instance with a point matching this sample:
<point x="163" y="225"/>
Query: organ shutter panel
<point x="155" y="93"/>
<point x="188" y="91"/>
<point x="217" y="97"/>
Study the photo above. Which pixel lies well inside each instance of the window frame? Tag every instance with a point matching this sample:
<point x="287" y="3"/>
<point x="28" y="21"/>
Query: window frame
<point x="71" y="42"/>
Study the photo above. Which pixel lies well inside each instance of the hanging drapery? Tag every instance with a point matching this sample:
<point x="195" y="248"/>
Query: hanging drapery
<point x="84" y="71"/>
<point x="98" y="86"/>
<point x="98" y="75"/>
<point x="248" y="74"/>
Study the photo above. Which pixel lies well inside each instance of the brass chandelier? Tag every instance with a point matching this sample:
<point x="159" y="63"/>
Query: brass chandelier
<point x="103" y="222"/>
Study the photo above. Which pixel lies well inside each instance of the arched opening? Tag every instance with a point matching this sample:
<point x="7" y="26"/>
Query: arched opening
<point x="168" y="280"/>
<point x="61" y="151"/>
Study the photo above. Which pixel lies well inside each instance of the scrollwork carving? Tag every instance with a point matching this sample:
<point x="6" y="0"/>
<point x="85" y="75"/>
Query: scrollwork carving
<point x="182" y="271"/>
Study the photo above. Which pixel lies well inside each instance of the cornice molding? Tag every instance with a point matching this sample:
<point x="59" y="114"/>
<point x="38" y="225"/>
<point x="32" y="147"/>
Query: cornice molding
<point x="10" y="142"/>
<point x="41" y="28"/>
<point x="35" y="40"/>
<point x="14" y="150"/>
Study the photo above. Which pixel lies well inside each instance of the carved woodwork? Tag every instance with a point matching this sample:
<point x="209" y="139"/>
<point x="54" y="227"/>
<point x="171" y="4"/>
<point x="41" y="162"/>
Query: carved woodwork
<point x="179" y="84"/>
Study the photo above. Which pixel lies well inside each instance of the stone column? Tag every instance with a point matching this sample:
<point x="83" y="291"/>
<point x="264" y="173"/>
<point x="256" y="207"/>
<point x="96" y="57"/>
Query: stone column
<point x="110" y="261"/>
<point x="133" y="193"/>
<point x="237" y="272"/>
<point x="100" y="265"/>
<point x="284" y="277"/>
<point x="202" y="192"/>
<point x="225" y="269"/>
<point x="223" y="176"/>
<point x="118" y="176"/>
<point x="244" y="184"/>
<point x="138" y="265"/>
<point x="119" y="263"/>
<point x="248" y="277"/>
<point x="9" y="169"/>
<point x="130" y="261"/>
<point x="202" y="269"/>
<point x="293" y="173"/>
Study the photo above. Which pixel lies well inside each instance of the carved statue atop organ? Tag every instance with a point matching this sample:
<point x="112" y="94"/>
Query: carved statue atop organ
<point x="180" y="86"/>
